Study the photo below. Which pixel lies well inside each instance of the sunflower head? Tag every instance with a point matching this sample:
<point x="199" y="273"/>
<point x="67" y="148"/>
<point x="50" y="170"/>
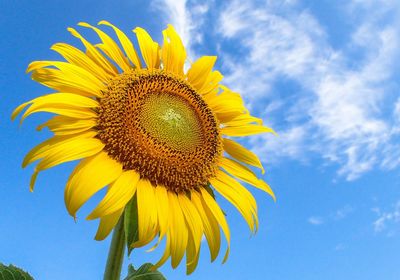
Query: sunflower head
<point x="146" y="130"/>
<point x="156" y="123"/>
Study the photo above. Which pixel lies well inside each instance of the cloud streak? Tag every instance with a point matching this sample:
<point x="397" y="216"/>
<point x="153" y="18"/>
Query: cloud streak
<point x="387" y="219"/>
<point x="335" y="108"/>
<point x="316" y="221"/>
<point x="336" y="216"/>
<point x="187" y="21"/>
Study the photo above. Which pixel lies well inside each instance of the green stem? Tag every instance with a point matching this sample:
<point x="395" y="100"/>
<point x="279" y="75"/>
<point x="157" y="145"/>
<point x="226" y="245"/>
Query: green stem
<point x="116" y="252"/>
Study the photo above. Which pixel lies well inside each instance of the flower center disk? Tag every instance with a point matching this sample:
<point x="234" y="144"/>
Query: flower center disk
<point x="172" y="121"/>
<point x="156" y="124"/>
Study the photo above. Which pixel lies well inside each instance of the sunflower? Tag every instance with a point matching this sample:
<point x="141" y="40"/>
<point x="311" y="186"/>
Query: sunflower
<point x="146" y="130"/>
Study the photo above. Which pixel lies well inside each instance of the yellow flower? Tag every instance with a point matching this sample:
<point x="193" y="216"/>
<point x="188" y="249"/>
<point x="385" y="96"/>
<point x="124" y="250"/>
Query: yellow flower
<point x="151" y="130"/>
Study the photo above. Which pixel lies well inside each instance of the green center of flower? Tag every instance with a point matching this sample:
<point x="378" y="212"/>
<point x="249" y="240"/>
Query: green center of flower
<point x="155" y="123"/>
<point x="171" y="120"/>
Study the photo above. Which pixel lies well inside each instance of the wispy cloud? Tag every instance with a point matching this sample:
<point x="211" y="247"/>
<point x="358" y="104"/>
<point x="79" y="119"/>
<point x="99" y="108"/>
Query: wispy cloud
<point x="335" y="108"/>
<point x="336" y="216"/>
<point x="343" y="212"/>
<point x="386" y="219"/>
<point x="186" y="20"/>
<point x="314" y="220"/>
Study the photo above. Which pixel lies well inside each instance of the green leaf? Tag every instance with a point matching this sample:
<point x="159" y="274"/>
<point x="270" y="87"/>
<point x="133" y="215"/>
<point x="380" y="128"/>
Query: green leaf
<point x="131" y="223"/>
<point x="144" y="273"/>
<point x="143" y="269"/>
<point x="131" y="269"/>
<point x="13" y="273"/>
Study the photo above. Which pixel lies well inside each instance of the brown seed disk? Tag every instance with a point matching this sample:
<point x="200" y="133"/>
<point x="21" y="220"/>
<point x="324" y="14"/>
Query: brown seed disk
<point x="155" y="123"/>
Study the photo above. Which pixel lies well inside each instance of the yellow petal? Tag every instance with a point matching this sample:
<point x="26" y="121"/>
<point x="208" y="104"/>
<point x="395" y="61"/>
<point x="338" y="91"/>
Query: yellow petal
<point x="58" y="80"/>
<point x="210" y="224"/>
<point x="232" y="183"/>
<point x="118" y="195"/>
<point x="240" y="153"/>
<point x="107" y="223"/>
<point x="243" y="119"/>
<point x="89" y="176"/>
<point x="226" y="116"/>
<point x="244" y="174"/>
<point x="226" y="101"/>
<point x="178" y="230"/>
<point x="209" y="203"/>
<point x="110" y="48"/>
<point x="211" y="83"/>
<point x="147" y="212"/>
<point x="94" y="54"/>
<point x="126" y="44"/>
<point x="45" y="148"/>
<point x="68" y="111"/>
<point x="64" y="152"/>
<point x="192" y="255"/>
<point x="193" y="220"/>
<point x="200" y="70"/>
<point x="148" y="48"/>
<point x="166" y="254"/>
<point x="173" y="51"/>
<point x="245" y="130"/>
<point x="77" y="57"/>
<point x="73" y="73"/>
<point x="73" y="150"/>
<point x="68" y="104"/>
<point x="61" y="125"/>
<point x="19" y="109"/>
<point x="236" y="194"/>
<point x="70" y="99"/>
<point x="162" y="212"/>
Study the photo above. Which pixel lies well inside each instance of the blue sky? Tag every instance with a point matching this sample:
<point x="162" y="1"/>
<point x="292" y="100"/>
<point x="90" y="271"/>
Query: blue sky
<point x="323" y="74"/>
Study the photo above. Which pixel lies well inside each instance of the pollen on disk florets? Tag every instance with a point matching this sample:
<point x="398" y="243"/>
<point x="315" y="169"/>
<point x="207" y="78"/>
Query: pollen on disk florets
<point x="155" y="123"/>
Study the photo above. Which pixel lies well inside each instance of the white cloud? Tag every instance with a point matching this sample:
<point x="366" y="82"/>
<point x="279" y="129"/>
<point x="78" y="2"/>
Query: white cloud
<point x="315" y="220"/>
<point x="339" y="214"/>
<point x="343" y="212"/>
<point x="186" y="21"/>
<point x="288" y="144"/>
<point x="178" y="16"/>
<point x="385" y="220"/>
<point x="338" y="105"/>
